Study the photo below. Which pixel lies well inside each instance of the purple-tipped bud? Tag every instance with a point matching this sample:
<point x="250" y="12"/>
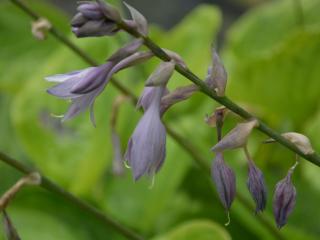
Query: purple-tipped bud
<point x="217" y="75"/>
<point x="126" y="50"/>
<point x="257" y="187"/>
<point x="225" y="181"/>
<point x="284" y="200"/>
<point x="92" y="20"/>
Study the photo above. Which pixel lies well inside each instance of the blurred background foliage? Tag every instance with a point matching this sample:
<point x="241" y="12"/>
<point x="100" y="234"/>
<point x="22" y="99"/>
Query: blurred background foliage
<point x="271" y="52"/>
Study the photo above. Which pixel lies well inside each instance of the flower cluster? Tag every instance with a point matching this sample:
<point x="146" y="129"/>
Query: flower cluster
<point x="146" y="149"/>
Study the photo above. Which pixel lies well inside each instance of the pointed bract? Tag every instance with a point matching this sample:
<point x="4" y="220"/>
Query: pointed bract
<point x="139" y="19"/>
<point x="217" y="75"/>
<point x="256" y="186"/>
<point x="237" y="137"/>
<point x="284" y="200"/>
<point x="225" y="181"/>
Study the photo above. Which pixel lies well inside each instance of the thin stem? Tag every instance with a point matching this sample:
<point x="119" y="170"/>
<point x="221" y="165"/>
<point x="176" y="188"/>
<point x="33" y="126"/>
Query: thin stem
<point x="181" y="141"/>
<point x="313" y="158"/>
<point x="246" y="152"/>
<point x="52" y="187"/>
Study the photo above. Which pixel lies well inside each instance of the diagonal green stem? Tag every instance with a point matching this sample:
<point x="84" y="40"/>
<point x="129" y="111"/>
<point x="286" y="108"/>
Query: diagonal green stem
<point x="263" y="127"/>
<point x="181" y="141"/>
<point x="54" y="188"/>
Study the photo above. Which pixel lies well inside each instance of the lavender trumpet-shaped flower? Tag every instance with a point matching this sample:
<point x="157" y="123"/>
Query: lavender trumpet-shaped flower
<point x="146" y="149"/>
<point x="225" y="181"/>
<point x="95" y="19"/>
<point x="257" y="186"/>
<point x="83" y="86"/>
<point x="284" y="200"/>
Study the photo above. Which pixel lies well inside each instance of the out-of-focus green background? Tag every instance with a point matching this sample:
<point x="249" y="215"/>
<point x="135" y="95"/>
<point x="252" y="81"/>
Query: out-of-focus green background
<point x="272" y="54"/>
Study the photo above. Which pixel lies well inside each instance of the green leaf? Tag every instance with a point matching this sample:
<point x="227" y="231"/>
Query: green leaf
<point x="196" y="229"/>
<point x="287" y="76"/>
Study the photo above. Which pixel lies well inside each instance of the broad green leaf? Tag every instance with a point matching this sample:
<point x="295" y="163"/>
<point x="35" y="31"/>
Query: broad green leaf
<point x="288" y="76"/>
<point x="196" y="229"/>
<point x="265" y="29"/>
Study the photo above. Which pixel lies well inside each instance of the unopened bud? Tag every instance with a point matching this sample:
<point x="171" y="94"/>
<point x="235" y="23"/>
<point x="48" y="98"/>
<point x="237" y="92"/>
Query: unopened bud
<point x="217" y="75"/>
<point x="256" y="186"/>
<point x="109" y="11"/>
<point x="284" y="200"/>
<point x="237" y="137"/>
<point x="161" y="75"/>
<point x="225" y="181"/>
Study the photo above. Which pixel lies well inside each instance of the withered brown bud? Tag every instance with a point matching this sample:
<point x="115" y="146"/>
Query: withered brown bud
<point x="225" y="181"/>
<point x="256" y="186"/>
<point x="284" y="200"/>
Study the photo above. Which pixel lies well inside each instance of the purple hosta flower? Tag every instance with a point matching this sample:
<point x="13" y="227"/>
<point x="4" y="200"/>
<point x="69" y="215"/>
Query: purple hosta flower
<point x="257" y="186"/>
<point x="284" y="200"/>
<point x="225" y="181"/>
<point x="146" y="149"/>
<point x="95" y="19"/>
<point x="147" y="146"/>
<point x="83" y="86"/>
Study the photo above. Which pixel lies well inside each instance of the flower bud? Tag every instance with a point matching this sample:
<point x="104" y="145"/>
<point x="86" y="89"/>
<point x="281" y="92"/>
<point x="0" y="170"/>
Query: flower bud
<point x="237" y="137"/>
<point x="139" y="19"/>
<point x="40" y="28"/>
<point x="161" y="75"/>
<point x="217" y="75"/>
<point x="284" y="200"/>
<point x="257" y="186"/>
<point x="225" y="181"/>
<point x="109" y="11"/>
<point x="95" y="19"/>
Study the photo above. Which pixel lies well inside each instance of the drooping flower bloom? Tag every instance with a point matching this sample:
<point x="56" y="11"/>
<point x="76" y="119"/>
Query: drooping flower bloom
<point x="95" y="19"/>
<point x="256" y="186"/>
<point x="225" y="180"/>
<point x="82" y="87"/>
<point x="146" y="149"/>
<point x="284" y="200"/>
